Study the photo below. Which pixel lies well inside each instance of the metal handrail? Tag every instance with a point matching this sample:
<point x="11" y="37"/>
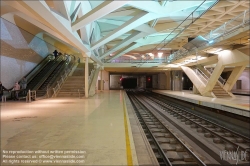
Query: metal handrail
<point x="221" y="80"/>
<point x="202" y="75"/>
<point x="31" y="95"/>
<point x="223" y="30"/>
<point x="60" y="82"/>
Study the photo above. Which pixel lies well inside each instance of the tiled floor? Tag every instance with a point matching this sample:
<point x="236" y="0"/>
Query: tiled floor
<point x="94" y="125"/>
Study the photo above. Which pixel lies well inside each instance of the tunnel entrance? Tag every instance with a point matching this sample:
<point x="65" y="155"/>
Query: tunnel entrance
<point x="129" y="83"/>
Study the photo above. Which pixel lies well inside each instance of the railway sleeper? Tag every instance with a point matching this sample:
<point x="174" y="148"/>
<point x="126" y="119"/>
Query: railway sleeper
<point x="156" y="135"/>
<point x="210" y="126"/>
<point x="158" y="130"/>
<point x="179" y="117"/>
<point x="174" y="156"/>
<point x="200" y="130"/>
<point x="218" y="129"/>
<point x="194" y="126"/>
<point x="168" y="135"/>
<point x="163" y="140"/>
<point x="208" y="135"/>
<point x="203" y="122"/>
<point x="227" y="134"/>
<point x="240" y="140"/>
<point x="230" y="147"/>
<point x="168" y="147"/>
<point x="183" y="120"/>
<point x="173" y="141"/>
<point x="151" y="126"/>
<point x="182" y="163"/>
<point x="217" y="140"/>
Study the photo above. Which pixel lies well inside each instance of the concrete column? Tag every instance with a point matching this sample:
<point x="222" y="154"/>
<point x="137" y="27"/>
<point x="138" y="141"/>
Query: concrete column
<point x="92" y="86"/>
<point x="168" y="80"/>
<point x="177" y="80"/>
<point x="101" y="81"/>
<point x="214" y="77"/>
<point x="236" y="73"/>
<point x="86" y="77"/>
<point x="195" y="90"/>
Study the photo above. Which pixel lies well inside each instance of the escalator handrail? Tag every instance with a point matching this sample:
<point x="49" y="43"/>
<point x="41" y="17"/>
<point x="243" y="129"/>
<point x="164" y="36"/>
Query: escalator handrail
<point x="61" y="70"/>
<point x="47" y="63"/>
<point x="43" y="79"/>
<point x="37" y="69"/>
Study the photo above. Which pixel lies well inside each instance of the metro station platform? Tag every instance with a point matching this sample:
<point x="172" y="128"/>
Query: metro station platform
<point x="99" y="125"/>
<point x="238" y="105"/>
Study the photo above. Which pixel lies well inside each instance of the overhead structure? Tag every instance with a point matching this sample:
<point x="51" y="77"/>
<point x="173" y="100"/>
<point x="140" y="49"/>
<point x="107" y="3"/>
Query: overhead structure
<point x="126" y="31"/>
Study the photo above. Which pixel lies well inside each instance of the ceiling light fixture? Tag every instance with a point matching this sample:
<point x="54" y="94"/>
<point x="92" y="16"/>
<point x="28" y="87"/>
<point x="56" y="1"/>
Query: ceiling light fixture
<point x="160" y="54"/>
<point x="211" y="41"/>
<point x="150" y="54"/>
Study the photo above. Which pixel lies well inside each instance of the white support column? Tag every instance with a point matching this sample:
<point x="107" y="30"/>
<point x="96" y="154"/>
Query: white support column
<point x="86" y="77"/>
<point x="101" y="80"/>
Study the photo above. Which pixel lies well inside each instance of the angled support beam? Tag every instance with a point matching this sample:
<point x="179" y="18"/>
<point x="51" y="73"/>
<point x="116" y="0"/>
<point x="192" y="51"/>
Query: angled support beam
<point x="226" y="58"/>
<point x="40" y="9"/>
<point x="143" y="28"/>
<point x="128" y="40"/>
<point x="136" y="21"/>
<point x="75" y="13"/>
<point x="128" y="48"/>
<point x="148" y="6"/>
<point x="60" y="6"/>
<point x="121" y="13"/>
<point x="236" y="73"/>
<point x="103" y="9"/>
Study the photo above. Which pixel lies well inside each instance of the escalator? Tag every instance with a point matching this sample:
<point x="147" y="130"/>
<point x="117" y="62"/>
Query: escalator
<point x="51" y="78"/>
<point x="45" y="75"/>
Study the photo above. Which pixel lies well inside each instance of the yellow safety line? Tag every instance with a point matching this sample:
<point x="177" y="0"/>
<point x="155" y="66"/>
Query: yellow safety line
<point x="128" y="148"/>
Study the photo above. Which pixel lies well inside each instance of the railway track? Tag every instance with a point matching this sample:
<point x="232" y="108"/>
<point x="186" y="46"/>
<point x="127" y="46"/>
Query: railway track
<point x="169" y="149"/>
<point x="218" y="136"/>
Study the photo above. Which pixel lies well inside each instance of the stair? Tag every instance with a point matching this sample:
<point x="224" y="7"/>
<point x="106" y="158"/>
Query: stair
<point x="71" y="86"/>
<point x="75" y="83"/>
<point x="80" y="70"/>
<point x="219" y="92"/>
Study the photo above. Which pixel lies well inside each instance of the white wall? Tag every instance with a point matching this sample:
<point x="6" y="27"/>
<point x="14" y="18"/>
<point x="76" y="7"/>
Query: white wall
<point x="20" y="53"/>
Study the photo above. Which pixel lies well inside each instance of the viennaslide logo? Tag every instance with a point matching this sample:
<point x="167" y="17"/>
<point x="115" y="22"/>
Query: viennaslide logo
<point x="237" y="155"/>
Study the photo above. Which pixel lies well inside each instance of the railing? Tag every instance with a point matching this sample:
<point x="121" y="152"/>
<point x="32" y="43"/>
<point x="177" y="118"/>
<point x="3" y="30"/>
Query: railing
<point x="204" y="77"/>
<point x="31" y="95"/>
<point x="71" y="62"/>
<point x="229" y="26"/>
<point x="79" y="92"/>
<point x="91" y="76"/>
<point x="225" y="29"/>
<point x="155" y="60"/>
<point x="60" y="82"/>
<point x="221" y="80"/>
<point x="37" y="68"/>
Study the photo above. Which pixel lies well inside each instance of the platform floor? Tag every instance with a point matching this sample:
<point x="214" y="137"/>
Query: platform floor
<point x="95" y="125"/>
<point x="238" y="105"/>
